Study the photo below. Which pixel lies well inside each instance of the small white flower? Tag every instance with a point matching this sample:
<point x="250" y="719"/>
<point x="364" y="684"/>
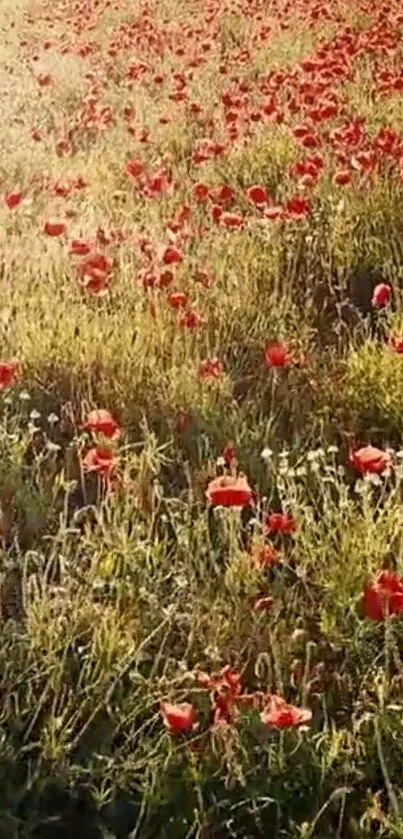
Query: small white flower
<point x="332" y="449"/>
<point x="34" y="415"/>
<point x="52" y="419"/>
<point x="25" y="396"/>
<point x="266" y="453"/>
<point x="220" y="461"/>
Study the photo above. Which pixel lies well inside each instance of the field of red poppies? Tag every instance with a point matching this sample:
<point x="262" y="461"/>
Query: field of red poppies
<point x="201" y="419"/>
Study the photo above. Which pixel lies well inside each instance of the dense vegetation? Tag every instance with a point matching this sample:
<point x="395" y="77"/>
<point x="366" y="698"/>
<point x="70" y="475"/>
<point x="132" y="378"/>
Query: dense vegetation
<point x="201" y="378"/>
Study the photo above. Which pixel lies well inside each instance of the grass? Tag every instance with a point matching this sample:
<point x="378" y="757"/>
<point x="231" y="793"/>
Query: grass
<point x="115" y="594"/>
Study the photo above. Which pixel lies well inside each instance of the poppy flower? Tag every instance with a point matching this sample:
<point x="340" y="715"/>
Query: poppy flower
<point x="382" y="295"/>
<point x="383" y="596"/>
<point x="171" y="255"/>
<point x="278" y="356"/>
<point x="200" y="191"/>
<point x="396" y="342"/>
<point x="44" y="79"/>
<point x="229" y="491"/>
<point x="8" y="373"/>
<point x="13" y="199"/>
<point x="165" y="279"/>
<point x="178" y="718"/>
<point x="216" y="212"/>
<point x="265" y="555"/>
<point x="222" y="194"/>
<point x="210" y="368"/>
<point x="80" y="247"/>
<point x="190" y="319"/>
<point x="226" y="693"/>
<point x="134" y="168"/>
<point x="94" y="274"/>
<point x="279" y="714"/>
<point x="231" y="220"/>
<point x="369" y="459"/>
<point x="177" y="299"/>
<point x="279" y="523"/>
<point x="297" y="208"/>
<point x="101" y="422"/>
<point x="229" y="454"/>
<point x="274" y="213"/>
<point x="204" y="278"/>
<point x="101" y="461"/>
<point x="54" y="228"/>
<point x="257" y="195"/>
<point x="342" y="178"/>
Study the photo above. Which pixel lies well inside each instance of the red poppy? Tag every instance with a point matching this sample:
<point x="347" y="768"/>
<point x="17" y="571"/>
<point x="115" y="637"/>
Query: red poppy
<point x="101" y="461"/>
<point x="204" y="278"/>
<point x="222" y="194"/>
<point x="297" y="208"/>
<point x="342" y="178"/>
<point x="44" y="79"/>
<point x="382" y="295"/>
<point x="80" y="247"/>
<point x="369" y="459"/>
<point x="94" y="274"/>
<point x="134" y="168"/>
<point x="54" y="228"/>
<point x="396" y="342"/>
<point x="229" y="491"/>
<point x="226" y="688"/>
<point x="177" y="299"/>
<point x="383" y="596"/>
<point x="211" y="368"/>
<point x="274" y="213"/>
<point x="279" y="714"/>
<point x="190" y="319"/>
<point x="264" y="555"/>
<point x="165" y="279"/>
<point x="178" y="718"/>
<point x="257" y="195"/>
<point x="229" y="454"/>
<point x="201" y="191"/>
<point x="278" y="356"/>
<point x="13" y="199"/>
<point x="101" y="422"/>
<point x="8" y="373"/>
<point x="171" y="255"/>
<point x="279" y="523"/>
<point x="231" y="220"/>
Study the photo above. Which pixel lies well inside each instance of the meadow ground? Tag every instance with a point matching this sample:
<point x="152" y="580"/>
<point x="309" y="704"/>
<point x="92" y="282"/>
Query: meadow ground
<point x="201" y="417"/>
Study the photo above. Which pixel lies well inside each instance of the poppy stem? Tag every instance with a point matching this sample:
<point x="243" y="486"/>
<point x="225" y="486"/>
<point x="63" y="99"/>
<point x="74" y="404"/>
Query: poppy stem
<point x="388" y="784"/>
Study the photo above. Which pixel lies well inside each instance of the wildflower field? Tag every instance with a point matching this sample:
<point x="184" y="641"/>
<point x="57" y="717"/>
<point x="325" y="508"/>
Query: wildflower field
<point x="201" y="419"/>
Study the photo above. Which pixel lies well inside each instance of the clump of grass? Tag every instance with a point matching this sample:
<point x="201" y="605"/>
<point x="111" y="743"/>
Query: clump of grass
<point x="119" y="587"/>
